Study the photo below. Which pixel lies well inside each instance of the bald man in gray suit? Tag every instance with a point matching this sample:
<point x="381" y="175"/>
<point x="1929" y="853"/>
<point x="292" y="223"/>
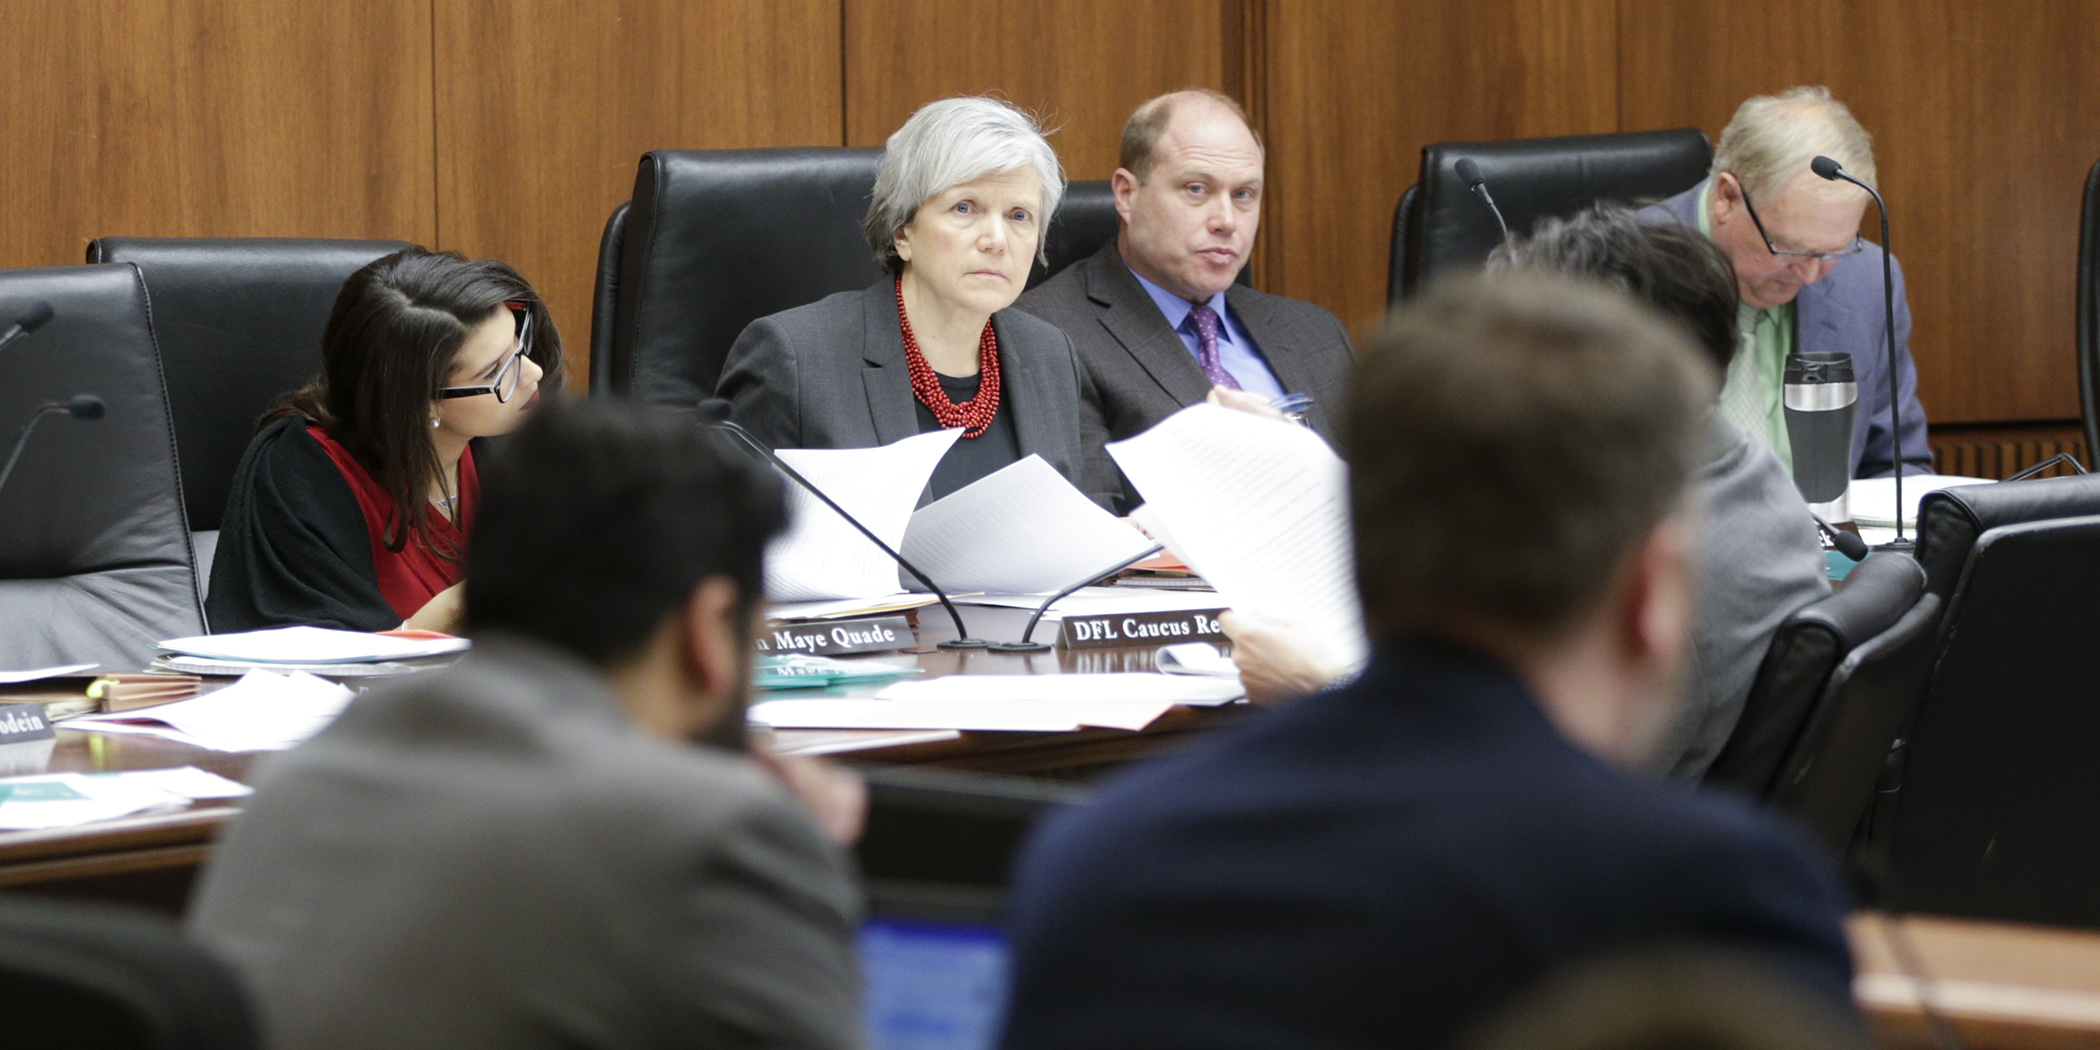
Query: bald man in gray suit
<point x="1155" y="316"/>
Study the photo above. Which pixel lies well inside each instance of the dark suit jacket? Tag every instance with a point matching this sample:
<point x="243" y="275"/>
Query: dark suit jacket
<point x="493" y="856"/>
<point x="1378" y="866"/>
<point x="1136" y="371"/>
<point x="790" y="379"/>
<point x="1844" y="313"/>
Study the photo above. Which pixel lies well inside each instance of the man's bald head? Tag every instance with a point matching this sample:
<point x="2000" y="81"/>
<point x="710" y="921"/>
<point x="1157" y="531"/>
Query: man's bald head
<point x="1142" y="131"/>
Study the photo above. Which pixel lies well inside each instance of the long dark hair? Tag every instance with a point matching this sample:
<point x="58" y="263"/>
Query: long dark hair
<point x="396" y="326"/>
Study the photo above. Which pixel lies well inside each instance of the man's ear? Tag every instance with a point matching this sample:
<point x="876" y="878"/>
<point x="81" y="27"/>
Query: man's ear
<point x="714" y="640"/>
<point x="1123" y="184"/>
<point x="1727" y="196"/>
<point x="1660" y="596"/>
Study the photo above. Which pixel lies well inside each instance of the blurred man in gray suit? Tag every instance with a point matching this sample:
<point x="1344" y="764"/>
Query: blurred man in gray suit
<point x="1155" y="315"/>
<point x="562" y="841"/>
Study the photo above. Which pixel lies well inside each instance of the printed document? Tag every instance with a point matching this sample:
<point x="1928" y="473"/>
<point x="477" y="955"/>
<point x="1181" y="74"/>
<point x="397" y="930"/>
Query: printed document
<point x="261" y="712"/>
<point x="1260" y="508"/>
<point x="1020" y="530"/>
<point x="822" y="556"/>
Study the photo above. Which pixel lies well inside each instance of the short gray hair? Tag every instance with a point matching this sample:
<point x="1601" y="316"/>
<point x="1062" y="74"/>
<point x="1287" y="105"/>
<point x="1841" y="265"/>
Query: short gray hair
<point x="946" y="144"/>
<point x="1773" y="137"/>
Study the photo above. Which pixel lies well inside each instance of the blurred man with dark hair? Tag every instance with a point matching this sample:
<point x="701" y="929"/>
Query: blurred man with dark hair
<point x="1758" y="557"/>
<point x="1383" y="863"/>
<point x="560" y="842"/>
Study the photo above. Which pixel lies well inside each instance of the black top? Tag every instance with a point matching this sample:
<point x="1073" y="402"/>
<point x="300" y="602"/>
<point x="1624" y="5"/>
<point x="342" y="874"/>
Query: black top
<point x="1381" y="865"/>
<point x="969" y="458"/>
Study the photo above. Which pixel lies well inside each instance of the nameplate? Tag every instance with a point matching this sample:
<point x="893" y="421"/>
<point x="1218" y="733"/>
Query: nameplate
<point x="882" y="634"/>
<point x="20" y="722"/>
<point x="1153" y="628"/>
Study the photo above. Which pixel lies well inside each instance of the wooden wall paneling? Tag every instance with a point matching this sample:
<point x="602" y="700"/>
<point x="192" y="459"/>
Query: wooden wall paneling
<point x="214" y="118"/>
<point x="544" y="107"/>
<point x="1982" y="146"/>
<point x="1081" y="65"/>
<point x="1354" y="91"/>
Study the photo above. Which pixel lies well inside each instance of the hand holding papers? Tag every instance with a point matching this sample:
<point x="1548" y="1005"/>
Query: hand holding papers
<point x="1261" y="510"/>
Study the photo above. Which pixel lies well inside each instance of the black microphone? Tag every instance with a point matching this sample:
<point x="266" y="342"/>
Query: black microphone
<point x="39" y="315"/>
<point x="714" y="411"/>
<point x="1469" y="172"/>
<point x="1847" y="543"/>
<point x="82" y="406"/>
<point x="1835" y="172"/>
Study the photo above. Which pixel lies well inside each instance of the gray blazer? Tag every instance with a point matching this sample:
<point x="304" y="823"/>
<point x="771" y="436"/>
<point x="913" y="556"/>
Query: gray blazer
<point x="790" y="380"/>
<point x="1136" y="371"/>
<point x="493" y="856"/>
<point x="1844" y="313"/>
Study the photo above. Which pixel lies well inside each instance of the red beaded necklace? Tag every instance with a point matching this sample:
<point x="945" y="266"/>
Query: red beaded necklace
<point x="975" y="414"/>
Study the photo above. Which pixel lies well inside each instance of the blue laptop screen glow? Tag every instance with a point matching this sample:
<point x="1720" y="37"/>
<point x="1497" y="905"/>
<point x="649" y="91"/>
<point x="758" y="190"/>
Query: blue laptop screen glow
<point x="933" y="985"/>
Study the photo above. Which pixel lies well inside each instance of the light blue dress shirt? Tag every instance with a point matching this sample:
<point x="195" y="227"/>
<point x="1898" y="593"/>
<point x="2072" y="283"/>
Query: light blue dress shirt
<point x="1236" y="351"/>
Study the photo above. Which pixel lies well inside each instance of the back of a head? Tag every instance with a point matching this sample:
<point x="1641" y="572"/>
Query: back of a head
<point x="1772" y="138"/>
<point x="1510" y="440"/>
<point x="598" y="519"/>
<point x="1684" y="276"/>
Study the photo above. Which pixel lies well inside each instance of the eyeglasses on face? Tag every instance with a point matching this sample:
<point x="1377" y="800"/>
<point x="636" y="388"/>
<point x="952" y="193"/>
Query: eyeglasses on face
<point x="505" y="382"/>
<point x="1858" y="244"/>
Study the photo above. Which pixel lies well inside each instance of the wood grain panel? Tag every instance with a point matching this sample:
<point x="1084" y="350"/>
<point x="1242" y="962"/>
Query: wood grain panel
<point x="1978" y="113"/>
<point x="544" y="106"/>
<point x="214" y="118"/>
<point x="1354" y="91"/>
<point x="1081" y="65"/>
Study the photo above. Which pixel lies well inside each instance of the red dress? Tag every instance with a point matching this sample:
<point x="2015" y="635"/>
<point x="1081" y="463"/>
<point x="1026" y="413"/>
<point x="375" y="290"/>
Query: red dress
<point x="410" y="577"/>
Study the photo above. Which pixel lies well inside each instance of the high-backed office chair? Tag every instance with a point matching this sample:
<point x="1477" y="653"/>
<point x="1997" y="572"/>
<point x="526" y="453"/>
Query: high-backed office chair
<point x="95" y="560"/>
<point x="2000" y="794"/>
<point x="930" y="827"/>
<point x="2089" y="312"/>
<point x="1440" y="224"/>
<point x="1951" y="520"/>
<point x="715" y="239"/>
<point x="239" y="322"/>
<point x="1806" y="648"/>
<point x="105" y="979"/>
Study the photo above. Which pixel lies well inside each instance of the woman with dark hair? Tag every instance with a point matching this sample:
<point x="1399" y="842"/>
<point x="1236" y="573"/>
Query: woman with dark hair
<point x="353" y="504"/>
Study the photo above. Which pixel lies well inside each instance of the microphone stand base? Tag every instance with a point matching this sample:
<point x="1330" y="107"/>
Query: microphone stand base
<point x="1902" y="546"/>
<point x="1020" y="647"/>
<point x="963" y="643"/>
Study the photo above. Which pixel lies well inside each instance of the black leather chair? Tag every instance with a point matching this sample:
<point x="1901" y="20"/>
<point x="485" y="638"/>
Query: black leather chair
<point x="86" y="978"/>
<point x="239" y="322"/>
<point x="2089" y="312"/>
<point x="715" y="239"/>
<point x="2000" y="793"/>
<point x="1441" y="225"/>
<point x="1951" y="520"/>
<point x="1805" y="650"/>
<point x="934" y="833"/>
<point x="95" y="560"/>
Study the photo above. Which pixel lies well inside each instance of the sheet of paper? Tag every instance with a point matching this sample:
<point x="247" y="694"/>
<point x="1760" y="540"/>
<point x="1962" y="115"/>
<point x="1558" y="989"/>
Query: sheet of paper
<point x="64" y="800"/>
<point x="1068" y="688"/>
<point x="1021" y="716"/>
<point x="1196" y="658"/>
<point x="1018" y="530"/>
<point x="261" y="712"/>
<point x="1104" y="601"/>
<point x="1872" y="501"/>
<point x="845" y="607"/>
<point x="1261" y="510"/>
<point x="847" y="741"/>
<point x="310" y="645"/>
<point x="18" y="677"/>
<point x="821" y="556"/>
<point x="187" y="781"/>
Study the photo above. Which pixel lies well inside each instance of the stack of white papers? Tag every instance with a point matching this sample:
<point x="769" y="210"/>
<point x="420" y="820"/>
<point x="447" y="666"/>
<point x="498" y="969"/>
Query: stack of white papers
<point x="261" y="712"/>
<point x="1016" y="703"/>
<point x="310" y="645"/>
<point x="40" y="673"/>
<point x="1260" y="509"/>
<point x="1872" y="501"/>
<point x="61" y="800"/>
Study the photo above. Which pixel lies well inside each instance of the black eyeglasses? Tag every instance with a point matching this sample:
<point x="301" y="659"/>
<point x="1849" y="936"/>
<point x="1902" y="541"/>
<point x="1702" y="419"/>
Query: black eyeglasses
<point x="1858" y="244"/>
<point x="505" y="381"/>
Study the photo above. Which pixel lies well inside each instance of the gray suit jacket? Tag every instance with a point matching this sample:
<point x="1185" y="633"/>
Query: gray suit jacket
<point x="1136" y="371"/>
<point x="1844" y="313"/>
<point x="790" y="380"/>
<point x="493" y="856"/>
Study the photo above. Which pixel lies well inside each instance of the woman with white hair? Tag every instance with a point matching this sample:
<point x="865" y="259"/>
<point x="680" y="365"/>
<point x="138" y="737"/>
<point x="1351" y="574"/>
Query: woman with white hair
<point x="966" y="190"/>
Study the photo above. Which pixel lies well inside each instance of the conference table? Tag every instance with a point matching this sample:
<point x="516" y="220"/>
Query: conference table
<point x="152" y="859"/>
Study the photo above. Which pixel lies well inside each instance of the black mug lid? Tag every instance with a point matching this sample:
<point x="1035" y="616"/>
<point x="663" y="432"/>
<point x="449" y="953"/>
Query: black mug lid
<point x="1806" y="368"/>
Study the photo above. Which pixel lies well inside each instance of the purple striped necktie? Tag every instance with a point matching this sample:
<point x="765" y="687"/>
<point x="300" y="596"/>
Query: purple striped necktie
<point x="1206" y="321"/>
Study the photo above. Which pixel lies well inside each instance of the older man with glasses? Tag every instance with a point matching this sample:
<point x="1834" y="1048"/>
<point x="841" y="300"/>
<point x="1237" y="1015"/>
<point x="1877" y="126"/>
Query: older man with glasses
<point x="1809" y="284"/>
